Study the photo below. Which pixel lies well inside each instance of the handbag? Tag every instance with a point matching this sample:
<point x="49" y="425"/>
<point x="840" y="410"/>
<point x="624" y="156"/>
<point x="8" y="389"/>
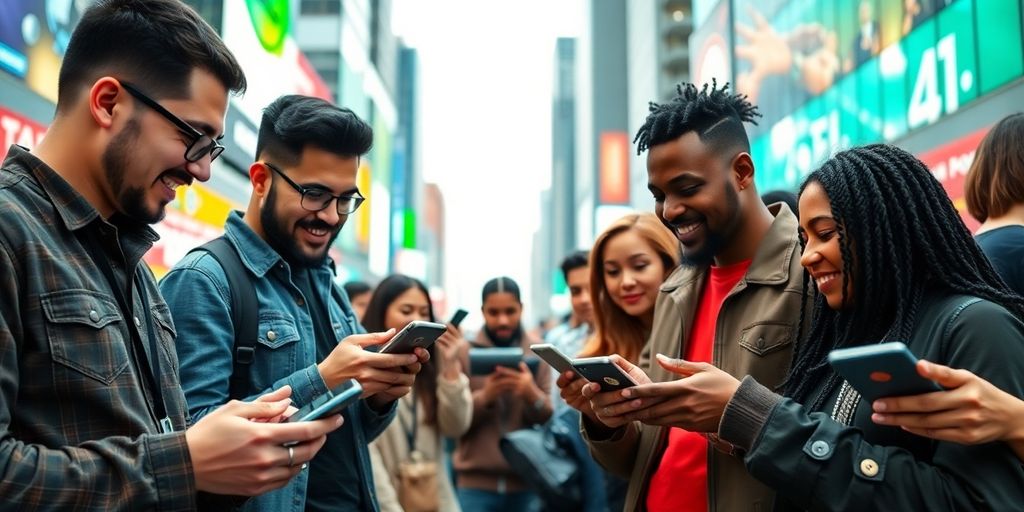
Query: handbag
<point x="542" y="458"/>
<point x="418" y="484"/>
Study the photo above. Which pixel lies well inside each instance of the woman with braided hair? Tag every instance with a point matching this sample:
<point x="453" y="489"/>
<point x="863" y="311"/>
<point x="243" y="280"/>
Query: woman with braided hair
<point x="891" y="261"/>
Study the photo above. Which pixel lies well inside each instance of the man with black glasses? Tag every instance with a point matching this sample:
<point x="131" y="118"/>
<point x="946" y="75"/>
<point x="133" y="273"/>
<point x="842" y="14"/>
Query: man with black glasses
<point x="304" y="189"/>
<point x="92" y="416"/>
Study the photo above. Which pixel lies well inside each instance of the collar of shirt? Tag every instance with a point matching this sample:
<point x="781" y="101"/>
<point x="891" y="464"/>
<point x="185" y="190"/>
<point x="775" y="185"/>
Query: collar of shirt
<point x="75" y="211"/>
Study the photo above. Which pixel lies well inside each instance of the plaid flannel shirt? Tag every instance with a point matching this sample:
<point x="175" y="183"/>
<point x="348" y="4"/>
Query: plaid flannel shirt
<point x="77" y="427"/>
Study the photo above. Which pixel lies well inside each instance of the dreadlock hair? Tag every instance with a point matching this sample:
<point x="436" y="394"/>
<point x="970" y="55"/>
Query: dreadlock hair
<point x="899" y="235"/>
<point x="714" y="114"/>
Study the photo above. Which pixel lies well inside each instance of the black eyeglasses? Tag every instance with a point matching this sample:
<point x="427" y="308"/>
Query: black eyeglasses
<point x="316" y="199"/>
<point x="201" y="143"/>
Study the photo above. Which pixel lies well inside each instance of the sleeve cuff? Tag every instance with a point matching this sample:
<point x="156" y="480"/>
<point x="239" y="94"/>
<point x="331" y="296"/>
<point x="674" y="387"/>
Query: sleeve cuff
<point x="747" y="413"/>
<point x="171" y="466"/>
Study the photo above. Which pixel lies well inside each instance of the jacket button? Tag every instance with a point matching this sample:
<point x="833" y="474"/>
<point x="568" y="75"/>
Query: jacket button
<point x="94" y="316"/>
<point x="271" y="335"/>
<point x="820" y="448"/>
<point x="300" y="301"/>
<point x="869" y="467"/>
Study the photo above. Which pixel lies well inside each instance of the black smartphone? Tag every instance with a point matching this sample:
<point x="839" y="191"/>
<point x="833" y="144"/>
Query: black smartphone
<point x="881" y="370"/>
<point x="554" y="357"/>
<point x="329" y="403"/>
<point x="604" y="372"/>
<point x="458" y="317"/>
<point x="416" y="334"/>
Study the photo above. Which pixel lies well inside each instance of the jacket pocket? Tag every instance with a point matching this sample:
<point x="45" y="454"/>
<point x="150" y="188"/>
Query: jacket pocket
<point x="85" y="333"/>
<point x="276" y="330"/>
<point x="763" y="338"/>
<point x="166" y="333"/>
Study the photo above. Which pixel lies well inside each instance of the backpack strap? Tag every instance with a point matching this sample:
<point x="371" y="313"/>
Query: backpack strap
<point x="244" y="312"/>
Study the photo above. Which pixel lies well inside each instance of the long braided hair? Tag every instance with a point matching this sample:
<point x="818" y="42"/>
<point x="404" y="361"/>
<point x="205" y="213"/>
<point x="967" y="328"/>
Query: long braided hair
<point x="703" y="111"/>
<point x="899" y="235"/>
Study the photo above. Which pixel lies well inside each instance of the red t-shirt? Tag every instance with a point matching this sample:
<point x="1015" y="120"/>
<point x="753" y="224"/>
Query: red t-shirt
<point x="680" y="484"/>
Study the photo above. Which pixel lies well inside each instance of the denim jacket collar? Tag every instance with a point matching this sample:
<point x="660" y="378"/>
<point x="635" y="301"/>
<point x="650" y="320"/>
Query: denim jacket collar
<point x="256" y="254"/>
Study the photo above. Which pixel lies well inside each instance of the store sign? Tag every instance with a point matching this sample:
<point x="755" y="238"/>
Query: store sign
<point x="949" y="164"/>
<point x="17" y="129"/>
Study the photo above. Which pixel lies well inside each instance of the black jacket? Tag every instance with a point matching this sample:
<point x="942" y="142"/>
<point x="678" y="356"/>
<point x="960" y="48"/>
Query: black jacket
<point x="816" y="463"/>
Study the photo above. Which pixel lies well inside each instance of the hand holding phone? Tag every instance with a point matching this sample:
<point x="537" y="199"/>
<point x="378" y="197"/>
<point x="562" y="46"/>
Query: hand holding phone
<point x="416" y="334"/>
<point x="882" y="370"/>
<point x="329" y="403"/>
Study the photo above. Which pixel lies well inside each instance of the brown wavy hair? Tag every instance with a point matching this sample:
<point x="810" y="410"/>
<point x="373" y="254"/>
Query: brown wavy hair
<point x="995" y="181"/>
<point x="615" y="331"/>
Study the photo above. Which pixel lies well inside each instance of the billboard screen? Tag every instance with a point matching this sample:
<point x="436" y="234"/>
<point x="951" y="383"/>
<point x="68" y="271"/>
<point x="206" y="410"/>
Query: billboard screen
<point x="828" y="75"/>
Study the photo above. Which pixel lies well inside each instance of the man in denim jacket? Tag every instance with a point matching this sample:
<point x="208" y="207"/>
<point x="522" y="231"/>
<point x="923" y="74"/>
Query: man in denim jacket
<point x="304" y="188"/>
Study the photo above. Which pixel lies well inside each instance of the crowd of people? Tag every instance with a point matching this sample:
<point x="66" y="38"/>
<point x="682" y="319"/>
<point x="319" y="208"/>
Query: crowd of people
<point x="722" y="306"/>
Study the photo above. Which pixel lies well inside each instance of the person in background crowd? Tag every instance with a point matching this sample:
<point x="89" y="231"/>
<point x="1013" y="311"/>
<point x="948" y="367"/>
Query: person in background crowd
<point x="570" y="336"/>
<point x="630" y="261"/>
<point x="994" y="189"/>
<point x="735" y="301"/>
<point x="92" y="415"/>
<point x="359" y="296"/>
<point x="506" y="400"/>
<point x="891" y="260"/>
<point x="303" y="190"/>
<point x="440" y="405"/>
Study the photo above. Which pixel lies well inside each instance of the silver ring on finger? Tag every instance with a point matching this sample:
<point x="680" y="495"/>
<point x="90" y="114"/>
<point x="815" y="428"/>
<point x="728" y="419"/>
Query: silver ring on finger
<point x="291" y="456"/>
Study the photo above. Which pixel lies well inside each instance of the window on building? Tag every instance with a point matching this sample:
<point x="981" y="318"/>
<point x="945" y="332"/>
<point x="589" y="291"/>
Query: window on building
<point x="327" y="63"/>
<point x="320" y="7"/>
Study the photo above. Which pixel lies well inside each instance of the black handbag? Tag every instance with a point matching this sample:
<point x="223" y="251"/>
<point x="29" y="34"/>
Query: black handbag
<point x="542" y="458"/>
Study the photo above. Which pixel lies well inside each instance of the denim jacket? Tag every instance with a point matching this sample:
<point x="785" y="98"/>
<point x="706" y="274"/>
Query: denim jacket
<point x="197" y="292"/>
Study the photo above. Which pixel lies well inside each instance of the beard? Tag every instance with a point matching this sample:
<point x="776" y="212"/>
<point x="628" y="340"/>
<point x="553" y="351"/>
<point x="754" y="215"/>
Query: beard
<point x="282" y="239"/>
<point x="511" y="340"/>
<point x="714" y="240"/>
<point x="131" y="201"/>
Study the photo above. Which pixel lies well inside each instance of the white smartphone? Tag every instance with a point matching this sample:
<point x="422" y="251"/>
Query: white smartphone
<point x="416" y="334"/>
<point x="332" y="402"/>
<point x="554" y="357"/>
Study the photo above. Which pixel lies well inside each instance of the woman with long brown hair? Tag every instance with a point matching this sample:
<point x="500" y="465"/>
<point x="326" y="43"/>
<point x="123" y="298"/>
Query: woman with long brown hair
<point x="409" y="452"/>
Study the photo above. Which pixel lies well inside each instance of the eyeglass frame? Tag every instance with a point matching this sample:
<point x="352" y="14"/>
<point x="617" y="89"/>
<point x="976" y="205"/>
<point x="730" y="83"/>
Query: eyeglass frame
<point x="356" y="197"/>
<point x="213" y="148"/>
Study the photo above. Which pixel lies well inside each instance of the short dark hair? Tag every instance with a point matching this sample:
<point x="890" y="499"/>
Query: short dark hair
<point x="995" y="181"/>
<point x="155" y="44"/>
<point x="713" y="113"/>
<point x="578" y="259"/>
<point x="293" y="122"/>
<point x="500" y="285"/>
<point x="356" y="288"/>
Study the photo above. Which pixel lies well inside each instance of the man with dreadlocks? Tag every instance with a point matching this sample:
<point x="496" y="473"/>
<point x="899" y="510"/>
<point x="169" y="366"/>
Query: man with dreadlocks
<point x="891" y="260"/>
<point x="735" y="301"/>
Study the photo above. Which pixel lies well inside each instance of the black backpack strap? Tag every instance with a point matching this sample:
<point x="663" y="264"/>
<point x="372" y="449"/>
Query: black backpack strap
<point x="244" y="312"/>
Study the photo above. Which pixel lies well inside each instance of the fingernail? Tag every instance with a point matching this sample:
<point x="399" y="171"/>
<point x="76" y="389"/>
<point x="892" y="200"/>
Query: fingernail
<point x="637" y="404"/>
<point x="879" y="418"/>
<point x="626" y="393"/>
<point x="879" y="406"/>
<point x="337" y="422"/>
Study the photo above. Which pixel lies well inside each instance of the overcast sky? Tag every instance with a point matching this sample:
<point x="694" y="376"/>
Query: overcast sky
<point x="486" y="91"/>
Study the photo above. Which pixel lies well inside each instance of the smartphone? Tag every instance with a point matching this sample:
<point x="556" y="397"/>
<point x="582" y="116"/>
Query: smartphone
<point x="329" y="403"/>
<point x="554" y="357"/>
<point x="484" y="360"/>
<point x="458" y="317"/>
<point x="416" y="334"/>
<point x="604" y="372"/>
<point x="882" y="370"/>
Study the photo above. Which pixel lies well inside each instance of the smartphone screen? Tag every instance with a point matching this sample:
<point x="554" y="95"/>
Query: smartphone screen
<point x="458" y="317"/>
<point x="330" y="403"/>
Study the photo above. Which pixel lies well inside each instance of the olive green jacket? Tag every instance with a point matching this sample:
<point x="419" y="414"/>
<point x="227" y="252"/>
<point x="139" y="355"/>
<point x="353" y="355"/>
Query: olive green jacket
<point x="754" y="336"/>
